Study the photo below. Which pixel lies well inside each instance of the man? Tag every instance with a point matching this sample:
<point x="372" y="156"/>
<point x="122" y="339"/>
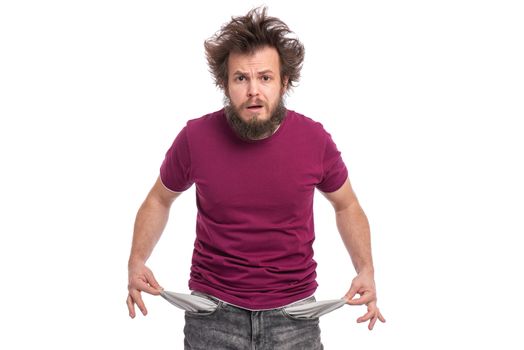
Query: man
<point x="256" y="166"/>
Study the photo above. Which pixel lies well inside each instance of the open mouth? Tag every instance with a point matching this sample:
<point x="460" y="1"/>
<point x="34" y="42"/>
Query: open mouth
<point x="254" y="107"/>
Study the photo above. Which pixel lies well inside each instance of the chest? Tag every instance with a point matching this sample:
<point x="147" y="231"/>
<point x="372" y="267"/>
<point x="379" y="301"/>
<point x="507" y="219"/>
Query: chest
<point x="263" y="180"/>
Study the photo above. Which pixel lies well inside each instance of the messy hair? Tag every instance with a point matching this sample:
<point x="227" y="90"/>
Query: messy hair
<point x="246" y="34"/>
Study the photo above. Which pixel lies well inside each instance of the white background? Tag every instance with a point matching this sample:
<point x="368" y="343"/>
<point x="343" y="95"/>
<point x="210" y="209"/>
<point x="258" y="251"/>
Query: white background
<point x="423" y="98"/>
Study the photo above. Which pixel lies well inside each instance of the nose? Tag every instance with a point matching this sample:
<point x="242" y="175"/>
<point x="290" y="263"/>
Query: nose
<point x="252" y="89"/>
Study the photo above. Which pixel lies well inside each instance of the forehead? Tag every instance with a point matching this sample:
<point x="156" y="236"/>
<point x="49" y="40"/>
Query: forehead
<point x="264" y="58"/>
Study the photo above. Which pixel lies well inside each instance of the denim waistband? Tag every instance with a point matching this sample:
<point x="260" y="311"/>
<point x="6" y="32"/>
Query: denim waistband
<point x="309" y="299"/>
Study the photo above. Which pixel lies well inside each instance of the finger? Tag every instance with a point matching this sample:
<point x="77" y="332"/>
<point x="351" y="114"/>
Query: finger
<point x="153" y="283"/>
<point x="131" y="306"/>
<point x="351" y="293"/>
<point x="150" y="290"/>
<point x="373" y="306"/>
<point x="364" y="299"/>
<point x="372" y="323"/>
<point x="357" y="301"/>
<point x="141" y="284"/>
<point x="366" y="317"/>
<point x="137" y="298"/>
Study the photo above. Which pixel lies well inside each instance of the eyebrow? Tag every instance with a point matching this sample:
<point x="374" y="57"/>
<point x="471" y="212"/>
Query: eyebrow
<point x="267" y="71"/>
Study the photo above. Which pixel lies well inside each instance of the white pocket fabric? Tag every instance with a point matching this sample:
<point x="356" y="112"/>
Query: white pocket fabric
<point x="189" y="302"/>
<point x="314" y="309"/>
<point x="303" y="310"/>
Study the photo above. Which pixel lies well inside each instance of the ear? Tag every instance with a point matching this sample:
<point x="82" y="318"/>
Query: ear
<point x="285" y="82"/>
<point x="225" y="88"/>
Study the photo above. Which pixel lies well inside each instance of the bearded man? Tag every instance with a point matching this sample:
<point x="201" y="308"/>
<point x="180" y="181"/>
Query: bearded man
<point x="256" y="165"/>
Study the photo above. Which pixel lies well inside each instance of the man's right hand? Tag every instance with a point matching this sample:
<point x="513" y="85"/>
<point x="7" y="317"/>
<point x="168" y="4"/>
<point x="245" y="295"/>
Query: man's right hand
<point x="141" y="279"/>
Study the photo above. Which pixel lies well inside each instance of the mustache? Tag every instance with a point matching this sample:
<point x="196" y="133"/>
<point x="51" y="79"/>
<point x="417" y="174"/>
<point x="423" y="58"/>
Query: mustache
<point x="256" y="102"/>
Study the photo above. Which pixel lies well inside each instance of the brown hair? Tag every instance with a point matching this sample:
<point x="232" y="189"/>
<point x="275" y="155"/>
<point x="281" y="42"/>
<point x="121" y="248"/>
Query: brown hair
<point x="248" y="33"/>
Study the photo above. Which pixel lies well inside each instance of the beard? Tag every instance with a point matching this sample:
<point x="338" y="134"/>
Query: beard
<point x="254" y="129"/>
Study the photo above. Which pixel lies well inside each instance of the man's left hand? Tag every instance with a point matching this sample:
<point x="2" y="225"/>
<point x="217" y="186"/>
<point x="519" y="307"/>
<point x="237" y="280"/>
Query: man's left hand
<point x="364" y="286"/>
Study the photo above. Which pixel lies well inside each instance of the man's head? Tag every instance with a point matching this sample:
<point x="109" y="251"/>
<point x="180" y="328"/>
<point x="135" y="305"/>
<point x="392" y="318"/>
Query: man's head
<point x="255" y="63"/>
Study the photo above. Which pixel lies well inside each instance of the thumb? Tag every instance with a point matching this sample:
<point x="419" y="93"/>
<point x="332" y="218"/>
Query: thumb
<point x="153" y="282"/>
<point x="351" y="293"/>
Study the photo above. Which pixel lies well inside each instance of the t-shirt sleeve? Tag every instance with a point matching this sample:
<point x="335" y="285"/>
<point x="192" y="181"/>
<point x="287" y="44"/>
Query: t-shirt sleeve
<point x="335" y="172"/>
<point x="175" y="171"/>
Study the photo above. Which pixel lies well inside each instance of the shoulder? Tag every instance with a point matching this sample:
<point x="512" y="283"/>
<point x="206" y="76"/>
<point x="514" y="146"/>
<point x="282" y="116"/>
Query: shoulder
<point x="208" y="120"/>
<point x="205" y="126"/>
<point x="306" y="125"/>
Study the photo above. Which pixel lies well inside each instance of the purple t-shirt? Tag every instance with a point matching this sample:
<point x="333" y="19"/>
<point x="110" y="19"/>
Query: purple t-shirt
<point x="254" y="229"/>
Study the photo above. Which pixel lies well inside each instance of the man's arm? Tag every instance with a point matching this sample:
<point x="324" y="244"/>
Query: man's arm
<point x="353" y="227"/>
<point x="150" y="222"/>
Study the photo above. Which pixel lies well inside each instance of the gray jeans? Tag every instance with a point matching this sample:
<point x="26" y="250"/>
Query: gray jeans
<point x="213" y="324"/>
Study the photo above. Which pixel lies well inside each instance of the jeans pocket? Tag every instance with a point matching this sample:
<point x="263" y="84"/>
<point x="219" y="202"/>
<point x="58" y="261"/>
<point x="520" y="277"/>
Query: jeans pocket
<point x="294" y="317"/>
<point x="312" y="310"/>
<point x="290" y="310"/>
<point x="194" y="304"/>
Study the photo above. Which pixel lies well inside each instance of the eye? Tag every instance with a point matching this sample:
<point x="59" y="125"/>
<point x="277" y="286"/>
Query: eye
<point x="241" y="78"/>
<point x="266" y="78"/>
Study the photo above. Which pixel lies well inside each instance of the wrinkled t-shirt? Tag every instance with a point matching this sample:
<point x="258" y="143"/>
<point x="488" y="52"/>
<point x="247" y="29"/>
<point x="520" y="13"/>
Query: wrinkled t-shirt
<point x="254" y="225"/>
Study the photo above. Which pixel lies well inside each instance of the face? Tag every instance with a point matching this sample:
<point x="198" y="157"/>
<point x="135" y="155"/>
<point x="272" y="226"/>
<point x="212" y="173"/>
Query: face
<point x="255" y="91"/>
